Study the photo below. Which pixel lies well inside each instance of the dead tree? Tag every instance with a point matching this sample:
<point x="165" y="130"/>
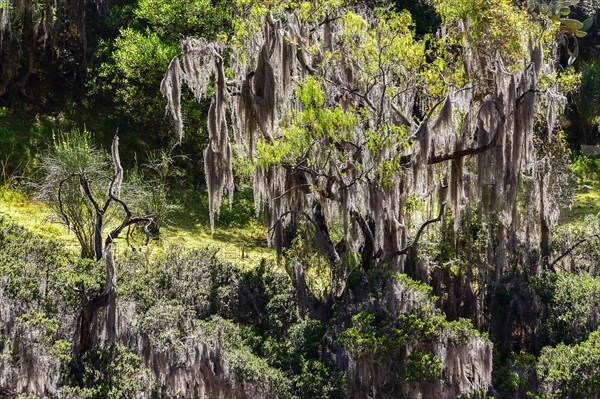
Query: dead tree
<point x="92" y="302"/>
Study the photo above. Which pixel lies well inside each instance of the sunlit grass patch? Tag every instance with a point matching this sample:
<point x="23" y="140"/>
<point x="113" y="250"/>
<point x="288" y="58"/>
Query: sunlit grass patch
<point x="586" y="201"/>
<point x="243" y="244"/>
<point x="34" y="216"/>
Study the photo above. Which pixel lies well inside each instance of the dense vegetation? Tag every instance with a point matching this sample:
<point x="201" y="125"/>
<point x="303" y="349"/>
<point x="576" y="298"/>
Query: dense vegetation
<point x="415" y="166"/>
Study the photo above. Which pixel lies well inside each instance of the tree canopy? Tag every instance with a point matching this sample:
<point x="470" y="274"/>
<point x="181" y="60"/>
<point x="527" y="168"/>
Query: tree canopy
<point x="351" y="120"/>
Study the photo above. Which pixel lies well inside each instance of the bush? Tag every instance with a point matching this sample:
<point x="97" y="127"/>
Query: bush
<point x="573" y="306"/>
<point x="104" y="373"/>
<point x="586" y="169"/>
<point x="71" y="156"/>
<point x="571" y="371"/>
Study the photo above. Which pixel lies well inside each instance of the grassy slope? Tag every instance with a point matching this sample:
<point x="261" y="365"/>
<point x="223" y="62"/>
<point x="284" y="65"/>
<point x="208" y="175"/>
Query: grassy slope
<point x="191" y="230"/>
<point x="236" y="230"/>
<point x="586" y="201"/>
<point x="22" y="135"/>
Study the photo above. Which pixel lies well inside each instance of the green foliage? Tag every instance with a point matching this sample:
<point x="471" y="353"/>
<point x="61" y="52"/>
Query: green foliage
<point x="371" y="337"/>
<point x="242" y="360"/>
<point x="181" y="18"/>
<point x="376" y="336"/>
<point x="37" y="270"/>
<point x="132" y="65"/>
<point x="513" y="374"/>
<point x="416" y="286"/>
<point x="314" y="123"/>
<point x="588" y="99"/>
<point x="72" y="166"/>
<point x="571" y="371"/>
<point x="23" y="138"/>
<point x="300" y="353"/>
<point x="315" y="380"/>
<point x="386" y="46"/>
<point x="587" y="169"/>
<point x="150" y="186"/>
<point x="196" y="280"/>
<point x="104" y="373"/>
<point x="496" y="25"/>
<point x="71" y="157"/>
<point x="178" y="289"/>
<point x="571" y="299"/>
<point x="73" y="152"/>
<point x="134" y="73"/>
<point x="423" y="367"/>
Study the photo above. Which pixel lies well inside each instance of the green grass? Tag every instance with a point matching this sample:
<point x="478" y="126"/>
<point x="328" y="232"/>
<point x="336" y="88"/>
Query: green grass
<point x="189" y="228"/>
<point x="586" y="201"/>
<point x="34" y="216"/>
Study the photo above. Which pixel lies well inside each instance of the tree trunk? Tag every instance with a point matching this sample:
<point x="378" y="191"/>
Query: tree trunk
<point x="544" y="229"/>
<point x="110" y="291"/>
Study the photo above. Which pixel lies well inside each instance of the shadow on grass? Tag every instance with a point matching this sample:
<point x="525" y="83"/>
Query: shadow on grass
<point x="239" y="235"/>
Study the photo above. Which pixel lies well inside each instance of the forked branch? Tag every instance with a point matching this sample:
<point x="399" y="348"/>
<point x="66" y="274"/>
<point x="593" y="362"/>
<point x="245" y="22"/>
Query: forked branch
<point x="389" y="255"/>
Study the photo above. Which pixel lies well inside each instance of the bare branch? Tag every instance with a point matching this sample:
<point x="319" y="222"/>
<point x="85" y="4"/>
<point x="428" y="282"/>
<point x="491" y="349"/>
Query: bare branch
<point x="389" y="255"/>
<point x="61" y="203"/>
<point x="113" y="235"/>
<point x="115" y="186"/>
<point x="85" y="184"/>
<point x="572" y="248"/>
<point x="475" y="150"/>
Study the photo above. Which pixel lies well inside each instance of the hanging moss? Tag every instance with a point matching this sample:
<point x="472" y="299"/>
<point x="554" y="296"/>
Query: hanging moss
<point x="476" y="143"/>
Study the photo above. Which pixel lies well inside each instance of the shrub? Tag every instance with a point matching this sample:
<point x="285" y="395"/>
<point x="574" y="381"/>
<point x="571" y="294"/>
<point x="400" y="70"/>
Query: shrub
<point x="104" y="373"/>
<point x="571" y="371"/>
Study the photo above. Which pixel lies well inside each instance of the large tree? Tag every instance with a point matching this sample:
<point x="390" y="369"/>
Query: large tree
<point x="363" y="135"/>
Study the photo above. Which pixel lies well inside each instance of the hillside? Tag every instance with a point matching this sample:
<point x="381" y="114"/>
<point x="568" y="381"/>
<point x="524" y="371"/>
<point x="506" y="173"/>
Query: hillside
<point x="299" y="199"/>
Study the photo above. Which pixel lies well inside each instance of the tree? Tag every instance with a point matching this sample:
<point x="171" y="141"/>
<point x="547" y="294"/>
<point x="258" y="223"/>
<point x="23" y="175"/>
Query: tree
<point x="351" y="120"/>
<point x="48" y="42"/>
<point x="132" y="64"/>
<point x="570" y="371"/>
<point x="73" y="180"/>
<point x="73" y="154"/>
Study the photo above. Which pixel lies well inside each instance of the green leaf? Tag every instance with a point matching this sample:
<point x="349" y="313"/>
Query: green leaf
<point x="571" y="24"/>
<point x="580" y="34"/>
<point x="587" y="24"/>
<point x="565" y="11"/>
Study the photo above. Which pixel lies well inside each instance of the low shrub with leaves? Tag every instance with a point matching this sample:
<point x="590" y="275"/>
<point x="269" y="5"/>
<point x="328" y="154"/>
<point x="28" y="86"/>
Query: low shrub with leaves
<point x="114" y="372"/>
<point x="571" y="372"/>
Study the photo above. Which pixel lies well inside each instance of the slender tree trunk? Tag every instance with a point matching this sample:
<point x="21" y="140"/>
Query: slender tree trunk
<point x="110" y="291"/>
<point x="544" y="229"/>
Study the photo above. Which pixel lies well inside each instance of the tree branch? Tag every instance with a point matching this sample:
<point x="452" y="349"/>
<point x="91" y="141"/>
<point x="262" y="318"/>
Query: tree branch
<point x="85" y="184"/>
<point x="113" y="235"/>
<point x="60" y="201"/>
<point x="389" y="255"/>
<point x="572" y="248"/>
<point x="471" y="151"/>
